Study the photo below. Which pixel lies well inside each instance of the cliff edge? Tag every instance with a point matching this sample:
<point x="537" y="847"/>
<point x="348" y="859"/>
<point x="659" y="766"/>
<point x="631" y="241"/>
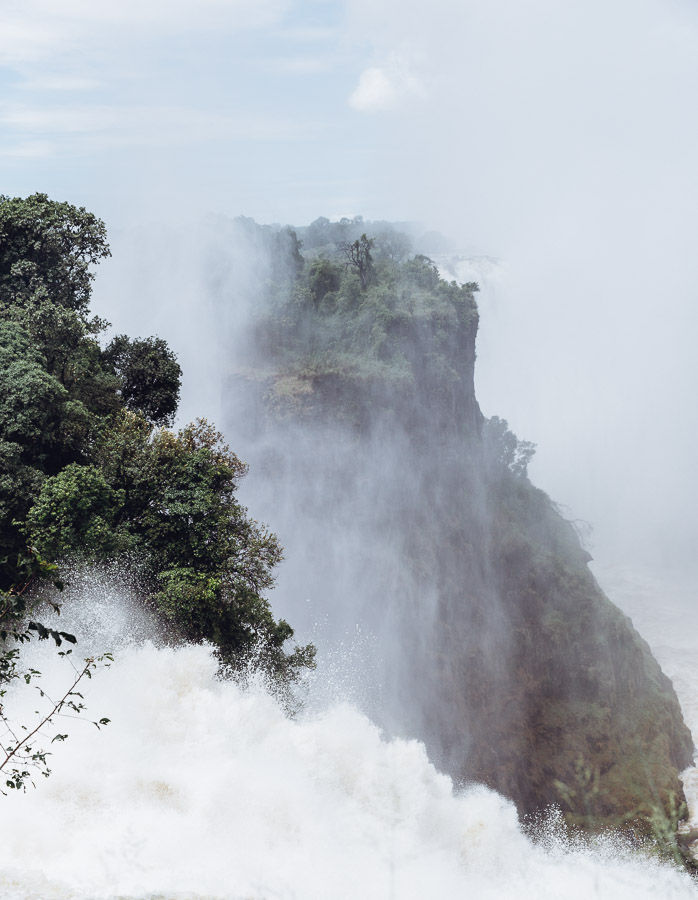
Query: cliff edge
<point x="499" y="649"/>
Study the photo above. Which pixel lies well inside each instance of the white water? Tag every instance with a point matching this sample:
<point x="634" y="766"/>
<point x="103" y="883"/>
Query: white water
<point x="201" y="789"/>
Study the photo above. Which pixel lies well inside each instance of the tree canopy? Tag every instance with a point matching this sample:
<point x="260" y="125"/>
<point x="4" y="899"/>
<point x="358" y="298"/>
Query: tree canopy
<point x="88" y="468"/>
<point x="149" y="376"/>
<point x="349" y="311"/>
<point x="46" y="250"/>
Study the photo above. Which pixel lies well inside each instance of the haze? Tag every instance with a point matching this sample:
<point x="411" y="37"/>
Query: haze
<point x="558" y="139"/>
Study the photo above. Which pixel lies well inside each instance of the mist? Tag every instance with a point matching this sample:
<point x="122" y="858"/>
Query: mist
<point x="554" y="139"/>
<point x="194" y="284"/>
<point x="558" y="139"/>
<point x="554" y="147"/>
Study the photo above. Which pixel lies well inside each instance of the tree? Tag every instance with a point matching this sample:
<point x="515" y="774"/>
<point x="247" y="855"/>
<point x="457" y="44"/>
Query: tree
<point x="422" y="272"/>
<point x="393" y="246"/>
<point x="75" y="513"/>
<point x="324" y="276"/>
<point x="212" y="562"/>
<point x="46" y="250"/>
<point x="504" y="448"/>
<point x="172" y="498"/>
<point x="31" y="399"/>
<point x="149" y="376"/>
<point x="318" y="233"/>
<point x="359" y="256"/>
<point x="86" y="467"/>
<point x="287" y="261"/>
<point x="32" y="404"/>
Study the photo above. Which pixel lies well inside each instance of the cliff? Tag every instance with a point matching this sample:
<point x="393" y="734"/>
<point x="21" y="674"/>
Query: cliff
<point x="410" y="512"/>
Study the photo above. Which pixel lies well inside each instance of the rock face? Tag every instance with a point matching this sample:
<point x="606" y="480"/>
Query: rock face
<point x="582" y="715"/>
<point x="402" y="508"/>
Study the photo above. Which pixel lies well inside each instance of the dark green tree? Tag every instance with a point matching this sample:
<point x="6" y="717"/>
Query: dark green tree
<point x="46" y="250"/>
<point x="75" y="514"/>
<point x="86" y="468"/>
<point x="149" y="376"/>
<point x="324" y="276"/>
<point x="503" y="448"/>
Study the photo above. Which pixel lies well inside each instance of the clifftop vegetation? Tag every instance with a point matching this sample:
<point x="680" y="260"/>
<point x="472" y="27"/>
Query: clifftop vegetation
<point x="357" y="307"/>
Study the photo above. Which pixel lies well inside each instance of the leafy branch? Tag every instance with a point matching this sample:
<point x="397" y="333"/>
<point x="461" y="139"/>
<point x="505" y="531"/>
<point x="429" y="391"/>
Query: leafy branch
<point x="21" y="756"/>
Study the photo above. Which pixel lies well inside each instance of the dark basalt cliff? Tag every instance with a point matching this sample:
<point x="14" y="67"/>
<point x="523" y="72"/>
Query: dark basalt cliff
<point x="504" y="655"/>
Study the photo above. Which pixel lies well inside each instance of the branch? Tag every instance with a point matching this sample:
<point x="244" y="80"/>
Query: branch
<point x="89" y="664"/>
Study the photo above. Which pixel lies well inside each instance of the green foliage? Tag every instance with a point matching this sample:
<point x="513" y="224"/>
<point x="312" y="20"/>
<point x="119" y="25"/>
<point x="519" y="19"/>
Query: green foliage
<point x="149" y="376"/>
<point x="393" y="246"/>
<point x="422" y="272"/>
<point x="46" y="249"/>
<point x="394" y="320"/>
<point x="31" y="403"/>
<point x="74" y="515"/>
<point x="210" y="562"/>
<point x="280" y="248"/>
<point x="193" y="513"/>
<point x="503" y="448"/>
<point x="85" y="470"/>
<point x="323" y="276"/>
<point x="172" y="499"/>
<point x="30" y="398"/>
<point x="358" y="256"/>
<point x="324" y="235"/>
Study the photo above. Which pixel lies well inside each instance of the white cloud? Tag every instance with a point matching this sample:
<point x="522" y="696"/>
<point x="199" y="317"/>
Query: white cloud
<point x="294" y="65"/>
<point x="310" y="34"/>
<point x="27" y="150"/>
<point x="36" y="31"/>
<point x="388" y="86"/>
<point x="68" y="52"/>
<point x="375" y="91"/>
<point x="59" y="83"/>
<point x="52" y="131"/>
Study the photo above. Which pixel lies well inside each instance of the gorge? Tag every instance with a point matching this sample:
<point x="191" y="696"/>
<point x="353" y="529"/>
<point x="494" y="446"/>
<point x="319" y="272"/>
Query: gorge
<point x="459" y="631"/>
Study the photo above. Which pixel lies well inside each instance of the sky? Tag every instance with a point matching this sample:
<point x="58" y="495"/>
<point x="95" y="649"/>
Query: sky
<point x="170" y="109"/>
<point x="558" y="139"/>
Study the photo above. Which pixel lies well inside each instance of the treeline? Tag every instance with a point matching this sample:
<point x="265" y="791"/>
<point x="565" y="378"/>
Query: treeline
<point x="364" y="305"/>
<point x="89" y="468"/>
<point x="351" y="300"/>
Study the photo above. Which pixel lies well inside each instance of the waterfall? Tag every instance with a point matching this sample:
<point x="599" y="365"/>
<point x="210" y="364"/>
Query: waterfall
<point x="202" y="788"/>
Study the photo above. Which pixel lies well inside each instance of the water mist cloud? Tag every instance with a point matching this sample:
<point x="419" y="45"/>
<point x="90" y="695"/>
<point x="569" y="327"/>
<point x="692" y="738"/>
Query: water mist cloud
<point x="559" y="138"/>
<point x="162" y="280"/>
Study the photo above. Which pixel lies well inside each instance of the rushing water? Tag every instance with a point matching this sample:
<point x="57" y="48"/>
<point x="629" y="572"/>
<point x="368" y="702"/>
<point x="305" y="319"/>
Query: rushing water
<point x="203" y="789"/>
